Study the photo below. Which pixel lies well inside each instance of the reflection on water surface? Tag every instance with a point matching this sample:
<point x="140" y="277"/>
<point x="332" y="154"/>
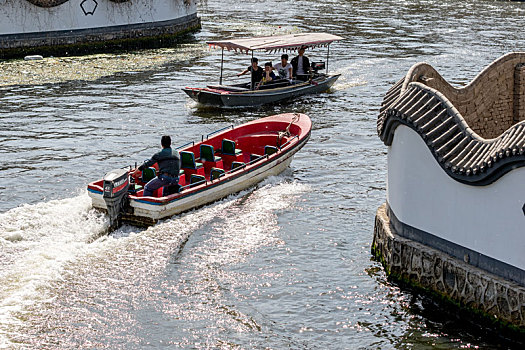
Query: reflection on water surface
<point x="284" y="265"/>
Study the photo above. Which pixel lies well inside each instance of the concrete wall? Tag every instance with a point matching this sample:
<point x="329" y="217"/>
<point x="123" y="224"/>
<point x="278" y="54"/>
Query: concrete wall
<point x="472" y="288"/>
<point x="486" y="219"/>
<point x="492" y="102"/>
<point x="20" y="16"/>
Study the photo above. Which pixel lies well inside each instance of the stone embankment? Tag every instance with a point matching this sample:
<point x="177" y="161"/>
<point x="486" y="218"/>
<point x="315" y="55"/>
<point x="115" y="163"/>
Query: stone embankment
<point x="452" y="279"/>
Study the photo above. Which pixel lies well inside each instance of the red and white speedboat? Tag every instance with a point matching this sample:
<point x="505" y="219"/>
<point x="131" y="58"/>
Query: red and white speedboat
<point x="223" y="162"/>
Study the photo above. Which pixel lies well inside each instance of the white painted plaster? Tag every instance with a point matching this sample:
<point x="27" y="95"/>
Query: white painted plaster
<point x="487" y="219"/>
<point x="20" y="16"/>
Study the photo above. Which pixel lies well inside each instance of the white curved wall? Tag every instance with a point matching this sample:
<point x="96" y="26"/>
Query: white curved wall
<point x="487" y="219"/>
<point x="20" y="16"/>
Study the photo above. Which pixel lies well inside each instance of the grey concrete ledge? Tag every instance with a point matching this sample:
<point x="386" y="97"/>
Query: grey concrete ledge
<point x="440" y="274"/>
<point x="96" y="39"/>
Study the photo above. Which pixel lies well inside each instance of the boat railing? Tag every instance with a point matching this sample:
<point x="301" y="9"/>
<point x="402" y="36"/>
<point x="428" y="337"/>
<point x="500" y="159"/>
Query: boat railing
<point x="193" y="185"/>
<point x="266" y="156"/>
<point x="287" y="142"/>
<point x="186" y="145"/>
<point x="217" y="131"/>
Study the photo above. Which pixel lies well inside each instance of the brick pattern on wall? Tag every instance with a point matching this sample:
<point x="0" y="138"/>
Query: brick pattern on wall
<point x="477" y="149"/>
<point x="487" y="103"/>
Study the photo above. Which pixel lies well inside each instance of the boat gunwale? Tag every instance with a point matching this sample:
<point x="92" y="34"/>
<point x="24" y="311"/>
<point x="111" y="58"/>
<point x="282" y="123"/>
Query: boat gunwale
<point x="263" y="92"/>
<point x="295" y="142"/>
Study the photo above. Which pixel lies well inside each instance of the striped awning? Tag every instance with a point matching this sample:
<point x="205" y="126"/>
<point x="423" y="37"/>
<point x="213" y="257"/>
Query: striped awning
<point x="279" y="42"/>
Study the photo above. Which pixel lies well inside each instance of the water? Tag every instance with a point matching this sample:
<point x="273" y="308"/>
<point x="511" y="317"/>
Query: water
<point x="284" y="265"/>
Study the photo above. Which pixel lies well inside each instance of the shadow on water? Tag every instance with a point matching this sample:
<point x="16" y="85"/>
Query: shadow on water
<point x="436" y="323"/>
<point x="237" y="115"/>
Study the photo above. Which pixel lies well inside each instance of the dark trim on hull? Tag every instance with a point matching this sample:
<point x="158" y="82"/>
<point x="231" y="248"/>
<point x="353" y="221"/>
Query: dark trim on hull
<point x="103" y="39"/>
<point x="146" y="221"/>
<point x="259" y="97"/>
<point x="471" y="257"/>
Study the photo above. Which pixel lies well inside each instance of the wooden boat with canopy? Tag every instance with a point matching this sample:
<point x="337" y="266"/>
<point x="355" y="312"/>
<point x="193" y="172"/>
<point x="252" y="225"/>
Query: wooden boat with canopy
<point x="277" y="90"/>
<point x="221" y="163"/>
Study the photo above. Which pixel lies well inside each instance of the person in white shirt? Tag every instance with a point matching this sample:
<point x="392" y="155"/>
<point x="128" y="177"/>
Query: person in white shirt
<point x="284" y="69"/>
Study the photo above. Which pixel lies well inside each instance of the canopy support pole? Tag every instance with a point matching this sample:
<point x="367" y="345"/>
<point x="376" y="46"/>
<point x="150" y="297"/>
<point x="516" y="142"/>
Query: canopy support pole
<point x="252" y="83"/>
<point x="222" y="61"/>
<point x="327" y="56"/>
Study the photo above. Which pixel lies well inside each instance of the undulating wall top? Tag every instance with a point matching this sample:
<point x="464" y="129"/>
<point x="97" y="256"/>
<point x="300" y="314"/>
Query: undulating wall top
<point x="477" y="132"/>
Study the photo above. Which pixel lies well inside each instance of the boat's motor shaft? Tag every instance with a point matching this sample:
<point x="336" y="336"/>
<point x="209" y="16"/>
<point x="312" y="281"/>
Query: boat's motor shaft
<point x="116" y="184"/>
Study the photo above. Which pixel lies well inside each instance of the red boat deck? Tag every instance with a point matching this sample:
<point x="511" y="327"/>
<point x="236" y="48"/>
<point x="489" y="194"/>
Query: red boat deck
<point x="254" y="140"/>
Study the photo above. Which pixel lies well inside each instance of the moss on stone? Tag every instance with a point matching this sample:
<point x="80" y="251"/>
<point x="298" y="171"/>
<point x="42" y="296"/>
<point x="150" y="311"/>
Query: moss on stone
<point x="470" y="306"/>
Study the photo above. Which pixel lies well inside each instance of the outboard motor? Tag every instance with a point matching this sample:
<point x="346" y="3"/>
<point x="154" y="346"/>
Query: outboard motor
<point x="317" y="66"/>
<point x="116" y="184"/>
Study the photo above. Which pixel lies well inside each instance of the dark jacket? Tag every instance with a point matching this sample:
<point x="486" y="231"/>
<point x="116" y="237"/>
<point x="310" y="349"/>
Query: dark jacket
<point x="306" y="65"/>
<point x="168" y="161"/>
<point x="256" y="76"/>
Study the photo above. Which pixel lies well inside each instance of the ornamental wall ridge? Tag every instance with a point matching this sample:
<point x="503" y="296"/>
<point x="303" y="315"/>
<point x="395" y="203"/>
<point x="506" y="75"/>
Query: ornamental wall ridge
<point x="470" y="151"/>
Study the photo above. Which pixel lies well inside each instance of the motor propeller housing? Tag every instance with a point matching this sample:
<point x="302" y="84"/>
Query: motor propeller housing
<point x="317" y="66"/>
<point x="116" y="184"/>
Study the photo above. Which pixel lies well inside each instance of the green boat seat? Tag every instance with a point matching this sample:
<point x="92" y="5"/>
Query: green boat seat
<point x="228" y="148"/>
<point x="254" y="156"/>
<point x="269" y="150"/>
<point x="187" y="160"/>
<point x="237" y="165"/>
<point x="196" y="180"/>
<point x="216" y="173"/>
<point x="134" y="188"/>
<point x="148" y="174"/>
<point x="208" y="154"/>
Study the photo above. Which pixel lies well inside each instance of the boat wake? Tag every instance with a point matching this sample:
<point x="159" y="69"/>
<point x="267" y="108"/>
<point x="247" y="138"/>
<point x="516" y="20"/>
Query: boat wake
<point x="349" y="78"/>
<point x="36" y="241"/>
<point x="51" y="262"/>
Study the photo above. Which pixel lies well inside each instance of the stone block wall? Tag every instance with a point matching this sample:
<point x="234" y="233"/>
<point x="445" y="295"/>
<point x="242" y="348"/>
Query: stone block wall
<point x="432" y="270"/>
<point x="519" y="93"/>
<point x="492" y="102"/>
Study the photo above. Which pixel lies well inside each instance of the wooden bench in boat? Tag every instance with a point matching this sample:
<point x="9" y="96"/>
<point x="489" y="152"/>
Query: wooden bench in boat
<point x="228" y="88"/>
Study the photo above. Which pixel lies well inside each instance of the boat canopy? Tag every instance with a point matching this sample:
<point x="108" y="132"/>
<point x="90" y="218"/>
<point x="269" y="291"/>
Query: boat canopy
<point x="278" y="42"/>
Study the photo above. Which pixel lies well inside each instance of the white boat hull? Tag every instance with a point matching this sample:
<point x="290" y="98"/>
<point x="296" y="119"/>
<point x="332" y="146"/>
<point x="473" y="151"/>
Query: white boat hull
<point x="146" y="212"/>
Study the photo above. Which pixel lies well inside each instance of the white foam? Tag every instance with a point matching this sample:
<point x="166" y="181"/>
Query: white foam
<point x="42" y="243"/>
<point x="36" y="241"/>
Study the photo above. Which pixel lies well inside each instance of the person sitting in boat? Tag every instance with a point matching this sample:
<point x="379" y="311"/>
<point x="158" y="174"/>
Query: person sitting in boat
<point x="284" y="68"/>
<point x="257" y="72"/>
<point x="301" y="65"/>
<point x="168" y="161"/>
<point x="268" y="74"/>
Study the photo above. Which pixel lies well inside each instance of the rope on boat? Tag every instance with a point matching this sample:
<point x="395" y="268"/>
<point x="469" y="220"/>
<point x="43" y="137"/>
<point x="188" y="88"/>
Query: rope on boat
<point x="286" y="132"/>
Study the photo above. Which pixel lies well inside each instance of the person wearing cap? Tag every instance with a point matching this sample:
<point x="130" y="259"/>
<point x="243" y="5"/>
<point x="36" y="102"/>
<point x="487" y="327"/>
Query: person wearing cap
<point x="168" y="161"/>
<point x="257" y="72"/>
<point x="301" y="64"/>
<point x="284" y="68"/>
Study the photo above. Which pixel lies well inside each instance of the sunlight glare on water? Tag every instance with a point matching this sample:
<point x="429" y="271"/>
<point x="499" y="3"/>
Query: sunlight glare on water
<point x="286" y="264"/>
<point x="135" y="263"/>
